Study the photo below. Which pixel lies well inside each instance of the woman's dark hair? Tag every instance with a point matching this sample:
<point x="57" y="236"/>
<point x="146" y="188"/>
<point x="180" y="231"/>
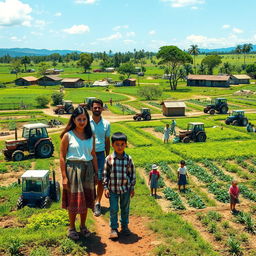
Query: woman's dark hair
<point x="97" y="101"/>
<point x="118" y="136"/>
<point x="71" y="124"/>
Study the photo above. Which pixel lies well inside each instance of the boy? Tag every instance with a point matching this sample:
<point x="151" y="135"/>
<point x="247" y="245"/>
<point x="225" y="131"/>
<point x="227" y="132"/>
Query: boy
<point x="119" y="180"/>
<point x="234" y="194"/>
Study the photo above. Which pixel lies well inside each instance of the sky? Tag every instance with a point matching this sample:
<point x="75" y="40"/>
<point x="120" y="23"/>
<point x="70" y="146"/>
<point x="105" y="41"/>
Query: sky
<point x="125" y="25"/>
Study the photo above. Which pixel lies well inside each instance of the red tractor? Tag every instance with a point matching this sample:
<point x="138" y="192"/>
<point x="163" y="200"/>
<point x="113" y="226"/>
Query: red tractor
<point x="66" y="107"/>
<point x="34" y="140"/>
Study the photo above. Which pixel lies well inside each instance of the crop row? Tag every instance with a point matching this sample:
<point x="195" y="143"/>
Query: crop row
<point x="193" y="199"/>
<point x="220" y="192"/>
<point x="174" y="197"/>
<point x="246" y="219"/>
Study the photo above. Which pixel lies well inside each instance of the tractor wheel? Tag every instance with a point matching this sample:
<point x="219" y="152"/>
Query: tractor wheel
<point x="17" y="155"/>
<point x="186" y="139"/>
<point x="61" y="111"/>
<point x="138" y="118"/>
<point x="205" y="110"/>
<point x="46" y="202"/>
<point x="55" y="192"/>
<point x="70" y="111"/>
<point x="134" y="118"/>
<point x="147" y="117"/>
<point x="235" y="123"/>
<point x="227" y="122"/>
<point x="201" y="137"/>
<point x="244" y="121"/>
<point x="212" y="111"/>
<point x="224" y="110"/>
<point x="44" y="149"/>
<point x="20" y="203"/>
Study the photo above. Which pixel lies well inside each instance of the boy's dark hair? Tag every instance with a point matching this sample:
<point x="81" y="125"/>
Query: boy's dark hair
<point x="97" y="101"/>
<point x="182" y="162"/>
<point x="118" y="136"/>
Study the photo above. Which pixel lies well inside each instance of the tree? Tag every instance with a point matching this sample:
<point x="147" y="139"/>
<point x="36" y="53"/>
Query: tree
<point x="226" y="68"/>
<point x="246" y="49"/>
<point x="202" y="69"/>
<point x="85" y="61"/>
<point x="25" y="61"/>
<point x="16" y="67"/>
<point x="127" y="69"/>
<point x="42" y="101"/>
<point x="173" y="58"/>
<point x="194" y="50"/>
<point x="211" y="62"/>
<point x="150" y="93"/>
<point x="57" y="98"/>
<point x="42" y="67"/>
<point x="251" y="70"/>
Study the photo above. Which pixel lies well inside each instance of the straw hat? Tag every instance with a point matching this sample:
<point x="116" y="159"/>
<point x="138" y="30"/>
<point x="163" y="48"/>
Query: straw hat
<point x="154" y="167"/>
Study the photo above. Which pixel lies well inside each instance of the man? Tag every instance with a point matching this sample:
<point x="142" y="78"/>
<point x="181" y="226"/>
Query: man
<point x="101" y="129"/>
<point x="173" y="125"/>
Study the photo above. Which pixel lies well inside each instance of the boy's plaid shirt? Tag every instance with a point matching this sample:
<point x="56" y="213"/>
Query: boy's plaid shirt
<point x="119" y="174"/>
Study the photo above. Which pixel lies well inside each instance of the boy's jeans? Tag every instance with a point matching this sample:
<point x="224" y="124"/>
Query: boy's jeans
<point x="124" y="205"/>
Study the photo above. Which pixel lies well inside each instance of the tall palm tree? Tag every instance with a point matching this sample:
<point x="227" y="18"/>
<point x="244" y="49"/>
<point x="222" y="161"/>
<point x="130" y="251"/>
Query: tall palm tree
<point x="246" y="49"/>
<point x="194" y="50"/>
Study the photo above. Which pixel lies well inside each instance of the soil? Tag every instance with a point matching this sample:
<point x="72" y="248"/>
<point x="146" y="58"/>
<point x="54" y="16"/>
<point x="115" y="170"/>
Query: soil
<point x="9" y="222"/>
<point x="9" y="177"/>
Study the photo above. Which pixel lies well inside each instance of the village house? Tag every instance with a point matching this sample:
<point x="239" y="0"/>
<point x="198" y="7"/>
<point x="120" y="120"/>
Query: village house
<point x="208" y="80"/>
<point x="173" y="108"/>
<point x="49" y="80"/>
<point x="72" y="82"/>
<point x="100" y="83"/>
<point x="240" y="79"/>
<point x="129" y="82"/>
<point x="28" y="80"/>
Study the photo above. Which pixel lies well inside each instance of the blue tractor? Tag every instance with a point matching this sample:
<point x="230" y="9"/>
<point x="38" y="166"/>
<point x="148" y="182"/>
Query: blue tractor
<point x="237" y="118"/>
<point x="38" y="190"/>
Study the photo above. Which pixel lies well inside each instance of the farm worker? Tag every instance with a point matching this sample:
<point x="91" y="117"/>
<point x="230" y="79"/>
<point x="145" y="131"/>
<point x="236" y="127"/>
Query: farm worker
<point x="249" y="127"/>
<point x="110" y="101"/>
<point x="101" y="129"/>
<point x="154" y="176"/>
<point x="234" y="194"/>
<point x="166" y="135"/>
<point x="182" y="175"/>
<point x="79" y="167"/>
<point x="173" y="125"/>
<point x="119" y="179"/>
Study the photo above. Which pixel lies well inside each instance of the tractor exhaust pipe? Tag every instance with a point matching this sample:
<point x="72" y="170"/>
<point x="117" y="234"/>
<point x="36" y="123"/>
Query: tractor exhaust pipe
<point x="16" y="135"/>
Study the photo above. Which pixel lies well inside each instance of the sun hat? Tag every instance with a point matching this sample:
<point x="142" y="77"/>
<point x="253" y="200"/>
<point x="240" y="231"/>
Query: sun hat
<point x="154" y="166"/>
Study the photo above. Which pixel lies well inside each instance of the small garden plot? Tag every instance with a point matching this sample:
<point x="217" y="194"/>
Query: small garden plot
<point x="120" y="109"/>
<point x="246" y="220"/>
<point x="145" y="124"/>
<point x="175" y="199"/>
<point x="139" y="104"/>
<point x="155" y="104"/>
<point x="241" y="161"/>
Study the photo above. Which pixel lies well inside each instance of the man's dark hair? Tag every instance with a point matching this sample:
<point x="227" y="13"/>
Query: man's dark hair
<point x="182" y="162"/>
<point x="118" y="136"/>
<point x="97" y="101"/>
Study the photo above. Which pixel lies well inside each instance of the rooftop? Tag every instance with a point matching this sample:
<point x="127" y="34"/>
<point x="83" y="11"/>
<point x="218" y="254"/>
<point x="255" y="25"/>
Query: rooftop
<point x="37" y="125"/>
<point x="174" y="104"/>
<point x="35" y="174"/>
<point x="71" y="80"/>
<point x="29" y="78"/>
<point x="208" y="77"/>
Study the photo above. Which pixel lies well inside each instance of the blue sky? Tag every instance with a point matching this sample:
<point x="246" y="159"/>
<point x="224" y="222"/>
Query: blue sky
<point x="124" y="25"/>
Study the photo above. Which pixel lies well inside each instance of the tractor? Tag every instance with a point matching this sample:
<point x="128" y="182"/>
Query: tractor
<point x="66" y="107"/>
<point x="237" y="118"/>
<point x="38" y="189"/>
<point x="144" y="114"/>
<point x="34" y="139"/>
<point x="218" y="105"/>
<point x="195" y="132"/>
<point x="87" y="103"/>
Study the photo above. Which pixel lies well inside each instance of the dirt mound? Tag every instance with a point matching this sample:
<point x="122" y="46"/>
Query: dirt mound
<point x="244" y="92"/>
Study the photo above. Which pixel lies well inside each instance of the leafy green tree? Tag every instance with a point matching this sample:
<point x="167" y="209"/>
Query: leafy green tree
<point x="16" y="66"/>
<point x="127" y="69"/>
<point x="25" y="61"/>
<point x="85" y="61"/>
<point x="57" y="98"/>
<point x="226" y="68"/>
<point x="42" y="101"/>
<point x="246" y="49"/>
<point x="202" y="69"/>
<point x="251" y="70"/>
<point x="150" y="93"/>
<point x="211" y="62"/>
<point x="173" y="58"/>
<point x="194" y="50"/>
<point x="42" y="67"/>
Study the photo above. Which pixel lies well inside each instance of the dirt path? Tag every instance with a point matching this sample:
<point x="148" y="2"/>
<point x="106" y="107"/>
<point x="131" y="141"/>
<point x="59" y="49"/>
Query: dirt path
<point x="141" y="242"/>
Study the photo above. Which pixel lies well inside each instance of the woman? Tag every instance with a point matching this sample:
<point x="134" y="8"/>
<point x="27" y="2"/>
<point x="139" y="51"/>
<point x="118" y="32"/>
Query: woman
<point x="78" y="168"/>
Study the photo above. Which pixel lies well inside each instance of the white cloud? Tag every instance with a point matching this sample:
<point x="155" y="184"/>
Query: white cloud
<point x="115" y="36"/>
<point x="85" y="1"/>
<point x="17" y="39"/>
<point x="127" y="41"/>
<point x="130" y="34"/>
<point x="77" y="29"/>
<point x="226" y="26"/>
<point x="35" y="33"/>
<point x="237" y="30"/>
<point x="194" y="8"/>
<point x="116" y="28"/>
<point x="183" y="3"/>
<point x="15" y="12"/>
<point x="58" y="14"/>
<point x="152" y="32"/>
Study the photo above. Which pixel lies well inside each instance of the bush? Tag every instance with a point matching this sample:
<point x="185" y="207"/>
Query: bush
<point x="39" y="251"/>
<point x="150" y="93"/>
<point x="13" y="246"/>
<point x="69" y="247"/>
<point x="42" y="101"/>
<point x="57" y="98"/>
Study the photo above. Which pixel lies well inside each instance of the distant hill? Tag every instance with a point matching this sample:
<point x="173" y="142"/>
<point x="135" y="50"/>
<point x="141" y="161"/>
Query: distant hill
<point x="19" y="52"/>
<point x="226" y="50"/>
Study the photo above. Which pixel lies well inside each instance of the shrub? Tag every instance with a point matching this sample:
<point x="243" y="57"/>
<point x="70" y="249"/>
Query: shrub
<point x="69" y="247"/>
<point x="57" y="98"/>
<point x="234" y="246"/>
<point x="150" y="93"/>
<point x="13" y="245"/>
<point x="42" y="101"/>
<point x="39" y="251"/>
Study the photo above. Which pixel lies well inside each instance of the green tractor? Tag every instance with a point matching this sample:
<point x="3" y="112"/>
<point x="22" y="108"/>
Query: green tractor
<point x="218" y="105"/>
<point x="237" y="118"/>
<point x="38" y="190"/>
<point x="195" y="132"/>
<point x="143" y="115"/>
